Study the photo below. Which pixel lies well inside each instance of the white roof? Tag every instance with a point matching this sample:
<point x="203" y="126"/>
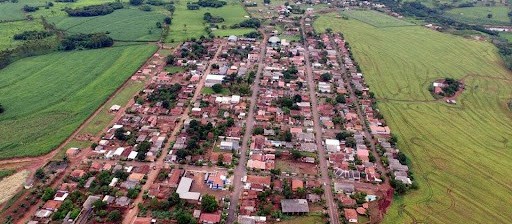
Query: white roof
<point x="117" y="126"/>
<point x="115" y="107"/>
<point x="119" y="151"/>
<point x="215" y="77"/>
<point x="190" y="195"/>
<point x="332" y="142"/>
<point x="113" y="182"/>
<point x="235" y="98"/>
<point x="132" y="155"/>
<point x="184" y="185"/>
<point x="226" y="143"/>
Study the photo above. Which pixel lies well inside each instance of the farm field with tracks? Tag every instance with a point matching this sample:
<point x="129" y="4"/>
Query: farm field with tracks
<point x="460" y="153"/>
<point x="47" y="97"/>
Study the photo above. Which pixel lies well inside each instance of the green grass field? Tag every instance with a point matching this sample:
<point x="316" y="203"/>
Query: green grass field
<point x="124" y="24"/>
<point x="375" y="18"/>
<point x="506" y="35"/>
<point x="11" y="11"/>
<point x="461" y="154"/>
<point x="9" y="29"/>
<point x="188" y="24"/>
<point x="47" y="97"/>
<point x="478" y="15"/>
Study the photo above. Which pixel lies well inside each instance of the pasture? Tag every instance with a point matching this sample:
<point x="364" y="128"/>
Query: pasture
<point x="188" y="24"/>
<point x="9" y="29"/>
<point x="461" y="153"/>
<point x="11" y="11"/>
<point x="48" y="97"/>
<point x="478" y="15"/>
<point x="374" y="18"/>
<point x="124" y="24"/>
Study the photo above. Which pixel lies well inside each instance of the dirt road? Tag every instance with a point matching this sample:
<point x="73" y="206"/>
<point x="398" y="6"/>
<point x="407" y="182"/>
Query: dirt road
<point x="332" y="206"/>
<point x="240" y="170"/>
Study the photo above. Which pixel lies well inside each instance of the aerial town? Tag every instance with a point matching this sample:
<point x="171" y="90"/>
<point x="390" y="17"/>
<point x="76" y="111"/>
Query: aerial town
<point x="234" y="130"/>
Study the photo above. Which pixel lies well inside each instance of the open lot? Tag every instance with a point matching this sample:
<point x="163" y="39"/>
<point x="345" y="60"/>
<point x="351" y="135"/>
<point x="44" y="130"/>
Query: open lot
<point x="375" y="18"/>
<point x="478" y="15"/>
<point x="47" y="97"/>
<point x="313" y="218"/>
<point x="124" y="24"/>
<point x="188" y="24"/>
<point x="460" y="153"/>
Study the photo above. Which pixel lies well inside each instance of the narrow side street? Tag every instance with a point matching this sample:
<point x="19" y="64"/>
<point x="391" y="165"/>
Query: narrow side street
<point x="240" y="170"/>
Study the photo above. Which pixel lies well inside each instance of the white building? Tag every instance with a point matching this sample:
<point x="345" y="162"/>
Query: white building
<point x="213" y="79"/>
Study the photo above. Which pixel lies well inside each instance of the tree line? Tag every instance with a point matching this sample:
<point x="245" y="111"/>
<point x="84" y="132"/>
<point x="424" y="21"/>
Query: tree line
<point x="208" y="17"/>
<point x="86" y="41"/>
<point x="32" y="35"/>
<point x="94" y="10"/>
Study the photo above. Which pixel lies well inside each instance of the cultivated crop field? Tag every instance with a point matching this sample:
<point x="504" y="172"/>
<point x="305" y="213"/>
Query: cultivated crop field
<point x="47" y="97"/>
<point x="461" y="154"/>
<point x="375" y="18"/>
<point x="478" y="15"/>
<point x="188" y="24"/>
<point x="124" y="24"/>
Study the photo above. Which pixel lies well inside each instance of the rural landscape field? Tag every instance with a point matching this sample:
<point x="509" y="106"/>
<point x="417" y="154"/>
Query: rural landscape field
<point x="460" y="153"/>
<point x="49" y="96"/>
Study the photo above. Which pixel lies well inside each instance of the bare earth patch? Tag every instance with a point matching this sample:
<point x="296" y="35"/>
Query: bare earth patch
<point x="11" y="184"/>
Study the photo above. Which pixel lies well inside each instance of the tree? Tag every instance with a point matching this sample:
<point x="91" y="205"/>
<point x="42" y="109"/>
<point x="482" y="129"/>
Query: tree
<point x="48" y="194"/>
<point x="40" y="173"/>
<point x="296" y="154"/>
<point x="489" y="16"/>
<point x="136" y="2"/>
<point x="174" y="199"/>
<point x="326" y="77"/>
<point x="209" y="203"/>
<point x="99" y="205"/>
<point x="168" y="20"/>
<point x="2" y="109"/>
<point x="266" y="2"/>
<point x="217" y="88"/>
<point x="220" y="160"/>
<point x="288" y="136"/>
<point x="119" y="134"/>
<point x="184" y="217"/>
<point x="132" y="193"/>
<point x="340" y="99"/>
<point x="258" y="131"/>
<point x="114" y="216"/>
<point x="158" y="25"/>
<point x="328" y="30"/>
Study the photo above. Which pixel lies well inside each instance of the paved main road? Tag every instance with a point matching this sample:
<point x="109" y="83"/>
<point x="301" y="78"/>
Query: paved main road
<point x="249" y="124"/>
<point x="332" y="206"/>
